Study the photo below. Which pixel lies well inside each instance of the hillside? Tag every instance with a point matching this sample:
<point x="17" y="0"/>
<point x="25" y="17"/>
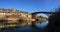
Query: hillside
<point x="13" y="18"/>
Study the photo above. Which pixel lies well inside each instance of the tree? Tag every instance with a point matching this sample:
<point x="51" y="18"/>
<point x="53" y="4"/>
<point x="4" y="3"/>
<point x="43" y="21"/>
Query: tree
<point x="54" y="22"/>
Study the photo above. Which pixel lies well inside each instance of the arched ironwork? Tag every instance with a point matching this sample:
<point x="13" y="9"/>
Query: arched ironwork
<point x="35" y="13"/>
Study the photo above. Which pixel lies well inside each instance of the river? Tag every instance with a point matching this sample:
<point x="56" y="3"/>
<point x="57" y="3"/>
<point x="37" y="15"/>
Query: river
<point x="29" y="29"/>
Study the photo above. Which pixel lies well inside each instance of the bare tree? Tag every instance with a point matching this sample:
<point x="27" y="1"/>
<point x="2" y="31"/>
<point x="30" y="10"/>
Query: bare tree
<point x="54" y="22"/>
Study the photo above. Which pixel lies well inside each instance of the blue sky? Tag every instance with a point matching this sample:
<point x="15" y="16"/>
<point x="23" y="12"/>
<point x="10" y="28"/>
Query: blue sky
<point x="30" y="5"/>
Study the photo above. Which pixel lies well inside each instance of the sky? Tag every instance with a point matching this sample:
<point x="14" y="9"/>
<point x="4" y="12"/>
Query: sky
<point x="30" y="5"/>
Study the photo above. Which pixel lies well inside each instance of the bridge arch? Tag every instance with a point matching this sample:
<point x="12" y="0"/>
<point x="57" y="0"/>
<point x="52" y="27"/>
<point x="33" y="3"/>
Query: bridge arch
<point x="46" y="13"/>
<point x="35" y="13"/>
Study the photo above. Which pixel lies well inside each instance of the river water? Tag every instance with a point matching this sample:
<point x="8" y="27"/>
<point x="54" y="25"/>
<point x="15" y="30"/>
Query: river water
<point x="41" y="26"/>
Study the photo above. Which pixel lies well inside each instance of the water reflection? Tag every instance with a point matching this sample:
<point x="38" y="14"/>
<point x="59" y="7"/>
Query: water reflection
<point x="42" y="25"/>
<point x="29" y="29"/>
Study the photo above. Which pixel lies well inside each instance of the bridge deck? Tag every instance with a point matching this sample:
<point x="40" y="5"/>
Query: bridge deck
<point x="43" y="12"/>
